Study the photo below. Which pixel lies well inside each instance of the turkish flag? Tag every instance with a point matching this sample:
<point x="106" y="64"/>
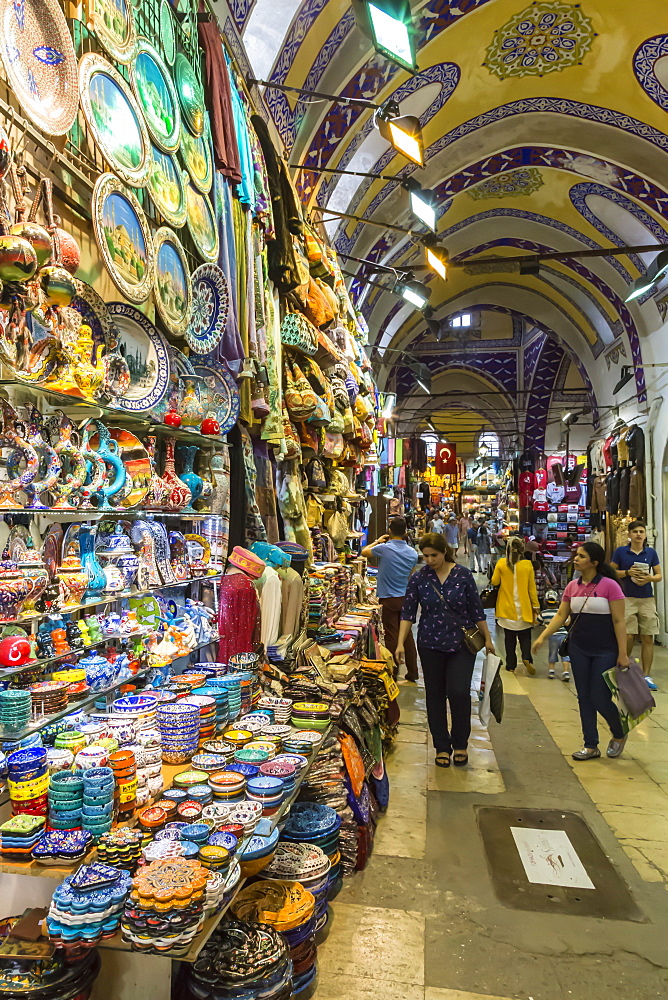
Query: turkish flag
<point x="446" y="460"/>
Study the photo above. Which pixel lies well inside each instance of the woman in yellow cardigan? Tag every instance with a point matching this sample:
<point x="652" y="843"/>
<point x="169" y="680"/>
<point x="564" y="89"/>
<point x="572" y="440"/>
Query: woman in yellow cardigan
<point x="517" y="602"/>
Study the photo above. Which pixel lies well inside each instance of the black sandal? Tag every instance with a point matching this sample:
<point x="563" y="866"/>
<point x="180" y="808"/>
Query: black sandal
<point x="442" y="759"/>
<point x="461" y="759"/>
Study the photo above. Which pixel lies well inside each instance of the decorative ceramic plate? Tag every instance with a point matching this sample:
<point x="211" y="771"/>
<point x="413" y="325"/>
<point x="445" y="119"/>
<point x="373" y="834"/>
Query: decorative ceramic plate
<point x="156" y="94"/>
<point x="93" y="311"/>
<point x="124" y="238"/>
<point x="114" y="25"/>
<point x="167" y="33"/>
<point x="137" y="466"/>
<point x="40" y="61"/>
<point x="191" y="95"/>
<point x="145" y="351"/>
<point x="202" y="224"/>
<point x="173" y="294"/>
<point x="196" y="153"/>
<point x="52" y="548"/>
<point x="167" y="187"/>
<point x="114" y="118"/>
<point x="210" y="305"/>
<point x="218" y="393"/>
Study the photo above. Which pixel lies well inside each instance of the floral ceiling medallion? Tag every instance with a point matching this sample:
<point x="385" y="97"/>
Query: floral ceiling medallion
<point x="509" y="185"/>
<point x="541" y="39"/>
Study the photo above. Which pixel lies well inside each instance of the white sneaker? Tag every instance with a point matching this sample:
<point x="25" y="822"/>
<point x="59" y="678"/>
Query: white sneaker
<point x="551" y="674"/>
<point x="650" y="684"/>
<point x="566" y="676"/>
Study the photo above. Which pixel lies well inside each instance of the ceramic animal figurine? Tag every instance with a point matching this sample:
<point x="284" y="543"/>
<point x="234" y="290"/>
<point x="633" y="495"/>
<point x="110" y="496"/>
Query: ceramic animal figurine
<point x="180" y="494"/>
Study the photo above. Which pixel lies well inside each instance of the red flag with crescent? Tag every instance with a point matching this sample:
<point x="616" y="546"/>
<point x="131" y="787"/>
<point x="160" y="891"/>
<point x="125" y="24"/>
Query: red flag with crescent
<point x="446" y="459"/>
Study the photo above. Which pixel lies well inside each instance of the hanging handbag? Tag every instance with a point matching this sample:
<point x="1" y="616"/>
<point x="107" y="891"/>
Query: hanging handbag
<point x="488" y="597"/>
<point x="563" y="645"/>
<point x="299" y="334"/>
<point x="472" y="637"/>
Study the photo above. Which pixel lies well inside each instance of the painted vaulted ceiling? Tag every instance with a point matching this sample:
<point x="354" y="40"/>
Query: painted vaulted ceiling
<point x="544" y="130"/>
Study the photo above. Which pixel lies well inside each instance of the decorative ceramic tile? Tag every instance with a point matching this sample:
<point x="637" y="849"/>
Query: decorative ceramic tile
<point x="541" y="39"/>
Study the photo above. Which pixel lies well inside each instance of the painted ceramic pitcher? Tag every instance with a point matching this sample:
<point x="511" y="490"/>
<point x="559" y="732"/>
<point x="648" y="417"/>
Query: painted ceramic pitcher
<point x="180" y="495"/>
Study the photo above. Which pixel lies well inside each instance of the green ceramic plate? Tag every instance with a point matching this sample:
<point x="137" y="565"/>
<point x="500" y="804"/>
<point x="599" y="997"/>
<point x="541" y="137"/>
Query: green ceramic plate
<point x="157" y="96"/>
<point x="173" y="291"/>
<point x="202" y="224"/>
<point x="167" y="187"/>
<point x="114" y="26"/>
<point x="196" y="154"/>
<point x="191" y="95"/>
<point x="167" y="33"/>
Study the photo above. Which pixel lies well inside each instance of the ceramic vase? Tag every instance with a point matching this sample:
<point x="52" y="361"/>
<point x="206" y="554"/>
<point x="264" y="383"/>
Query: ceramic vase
<point x="14" y="589"/>
<point x="195" y="484"/>
<point x="97" y="580"/>
<point x="180" y="495"/>
<point x="159" y="490"/>
<point x="190" y="408"/>
<point x="10" y="434"/>
<point x="107" y="449"/>
<point x="97" y="470"/>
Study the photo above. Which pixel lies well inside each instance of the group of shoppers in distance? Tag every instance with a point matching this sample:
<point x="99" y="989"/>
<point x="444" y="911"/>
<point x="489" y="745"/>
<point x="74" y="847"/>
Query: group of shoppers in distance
<point x="608" y="605"/>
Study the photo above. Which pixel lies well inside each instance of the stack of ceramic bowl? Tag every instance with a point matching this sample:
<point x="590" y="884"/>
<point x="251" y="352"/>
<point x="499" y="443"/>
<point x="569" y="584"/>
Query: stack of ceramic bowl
<point x="313" y="715"/>
<point x="207" y="710"/>
<point x="220" y="888"/>
<point x="49" y="697"/>
<point x="238" y="737"/>
<point x="281" y="707"/>
<point x="244" y="662"/>
<point x="166" y="906"/>
<point x="201" y="794"/>
<point x="66" y="800"/>
<point x="227" y="786"/>
<point x="91" y="756"/>
<point x="86" y="906"/>
<point x="248" y="814"/>
<point x="220" y="748"/>
<point x="77" y="685"/>
<point x="285" y="770"/>
<point x="192" y="776"/>
<point x="310" y="866"/>
<point x="70" y="739"/>
<point x="28" y="781"/>
<point x="175" y="795"/>
<point x="93" y="731"/>
<point x="98" y="800"/>
<point x="316" y="824"/>
<point x="169" y="806"/>
<point x="260" y="745"/>
<point x="219" y="695"/>
<point x="19" y="835"/>
<point x="251" y="754"/>
<point x="189" y="811"/>
<point x="58" y="760"/>
<point x="197" y="833"/>
<point x="255" y="721"/>
<point x="247" y="689"/>
<point x="250" y="960"/>
<point x="179" y="731"/>
<point x="210" y="762"/>
<point x="139" y="708"/>
<point x="303" y="742"/>
<point x="231" y="684"/>
<point x="266" y="790"/>
<point x="215" y="858"/>
<point x="276" y="733"/>
<point x="217" y="813"/>
<point x="62" y="847"/>
<point x="15" y="709"/>
<point x="190" y="680"/>
<point x="124" y="767"/>
<point x="120" y="848"/>
<point x="158" y="850"/>
<point x="150" y="819"/>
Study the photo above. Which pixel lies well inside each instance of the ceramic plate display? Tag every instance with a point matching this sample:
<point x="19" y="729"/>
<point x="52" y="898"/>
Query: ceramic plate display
<point x="196" y="153"/>
<point x="173" y="294"/>
<point x="124" y="238"/>
<point x="157" y="96"/>
<point x="137" y="466"/>
<point x="167" y="33"/>
<point x="191" y="95"/>
<point x="209" y="309"/>
<point x="93" y="311"/>
<point x="202" y="224"/>
<point x="114" y="118"/>
<point x="40" y="61"/>
<point x="167" y="187"/>
<point x="145" y="351"/>
<point x="114" y="26"/>
<point x="218" y="393"/>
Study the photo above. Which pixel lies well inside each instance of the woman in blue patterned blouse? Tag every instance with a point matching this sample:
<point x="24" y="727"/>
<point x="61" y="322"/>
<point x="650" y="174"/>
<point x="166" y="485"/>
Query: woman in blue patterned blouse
<point x="448" y="597"/>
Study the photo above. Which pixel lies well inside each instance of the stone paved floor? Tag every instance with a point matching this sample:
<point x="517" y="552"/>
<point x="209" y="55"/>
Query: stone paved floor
<point x="423" y="922"/>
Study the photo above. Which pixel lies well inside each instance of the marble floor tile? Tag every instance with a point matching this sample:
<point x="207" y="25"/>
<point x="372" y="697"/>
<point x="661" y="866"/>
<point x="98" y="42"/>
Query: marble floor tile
<point x="432" y="993"/>
<point x="634" y="825"/>
<point x="456" y="779"/>
<point x="335" y="987"/>
<point x="635" y="792"/>
<point x="368" y="942"/>
<point x="411" y="734"/>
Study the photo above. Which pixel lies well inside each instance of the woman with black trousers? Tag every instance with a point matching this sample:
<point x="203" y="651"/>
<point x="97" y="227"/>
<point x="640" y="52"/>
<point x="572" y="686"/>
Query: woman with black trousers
<point x="596" y="642"/>
<point x="448" y="597"/>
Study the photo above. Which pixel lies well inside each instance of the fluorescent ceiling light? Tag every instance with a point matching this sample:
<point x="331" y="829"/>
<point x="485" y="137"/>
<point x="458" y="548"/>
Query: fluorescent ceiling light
<point x="415" y="298"/>
<point x="389" y="404"/>
<point x="391" y="30"/>
<point x="413" y="291"/>
<point x="645" y="282"/>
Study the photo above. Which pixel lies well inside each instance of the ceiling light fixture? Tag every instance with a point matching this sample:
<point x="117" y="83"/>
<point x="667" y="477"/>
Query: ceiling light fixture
<point x="423" y="203"/>
<point x="389" y="404"/>
<point x="404" y="132"/>
<point x="438" y="257"/>
<point x="413" y="291"/>
<point x="646" y="282"/>
<point x="390" y="24"/>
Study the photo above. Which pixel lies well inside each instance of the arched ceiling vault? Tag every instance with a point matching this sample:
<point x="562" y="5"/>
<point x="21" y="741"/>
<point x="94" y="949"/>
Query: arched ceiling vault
<point x="544" y="128"/>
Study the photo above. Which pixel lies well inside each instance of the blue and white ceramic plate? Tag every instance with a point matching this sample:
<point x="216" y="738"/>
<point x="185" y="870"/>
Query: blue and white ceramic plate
<point x="218" y="393"/>
<point x="210" y="305"/>
<point x="145" y="352"/>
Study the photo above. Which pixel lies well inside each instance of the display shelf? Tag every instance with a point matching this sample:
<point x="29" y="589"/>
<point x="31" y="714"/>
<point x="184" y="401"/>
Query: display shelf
<point x="76" y="651"/>
<point x="110" y="599"/>
<point x="90" y="699"/>
<point x="25" y="392"/>
<point x="108" y="515"/>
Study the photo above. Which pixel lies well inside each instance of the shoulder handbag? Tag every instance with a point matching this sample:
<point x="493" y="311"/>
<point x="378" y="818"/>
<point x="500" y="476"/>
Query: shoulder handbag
<point x="488" y="597"/>
<point x="563" y="645"/>
<point x="472" y="637"/>
<point x="299" y="334"/>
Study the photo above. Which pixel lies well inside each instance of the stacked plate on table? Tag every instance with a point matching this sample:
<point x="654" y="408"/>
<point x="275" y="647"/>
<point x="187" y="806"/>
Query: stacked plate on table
<point x="310" y="715"/>
<point x="252" y="754"/>
<point x="165" y="909"/>
<point x="248" y="814"/>
<point x="138" y="708"/>
<point x="179" y="726"/>
<point x="28" y="781"/>
<point x="303" y="742"/>
<point x="313" y="823"/>
<point x="238" y="737"/>
<point x="15" y="708"/>
<point x="49" y="697"/>
<point x="120" y="848"/>
<point x="310" y="866"/>
<point x="210" y="762"/>
<point x="87" y="906"/>
<point x="299" y="760"/>
<point x="227" y="786"/>
<point x="281" y="707"/>
<point x="65" y="800"/>
<point x="19" y="835"/>
<point x="243" y="959"/>
<point x="215" y="857"/>
<point x="267" y="790"/>
<point x="254" y="722"/>
<point x="219" y="747"/>
<point x="62" y="847"/>
<point x="285" y="770"/>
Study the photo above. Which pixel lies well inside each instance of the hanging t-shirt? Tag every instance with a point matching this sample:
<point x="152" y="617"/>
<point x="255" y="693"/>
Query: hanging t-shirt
<point x="541" y="479"/>
<point x="555" y="493"/>
<point x="540" y="495"/>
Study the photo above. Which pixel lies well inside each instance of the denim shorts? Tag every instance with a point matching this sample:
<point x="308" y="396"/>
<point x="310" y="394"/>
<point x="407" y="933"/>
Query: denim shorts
<point x="555" y="642"/>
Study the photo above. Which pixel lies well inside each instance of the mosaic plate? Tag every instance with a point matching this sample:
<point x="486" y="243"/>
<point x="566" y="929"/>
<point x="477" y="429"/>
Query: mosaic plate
<point x="124" y="238"/>
<point x="145" y="351"/>
<point x="157" y="96"/>
<point x="114" y="25"/>
<point x="218" y="393"/>
<point x="114" y="118"/>
<point x="210" y="306"/>
<point x="191" y="95"/>
<point x="202" y="224"/>
<point x="173" y="292"/>
<point x="40" y="61"/>
<point x="196" y="153"/>
<point x="167" y="187"/>
<point x="93" y="311"/>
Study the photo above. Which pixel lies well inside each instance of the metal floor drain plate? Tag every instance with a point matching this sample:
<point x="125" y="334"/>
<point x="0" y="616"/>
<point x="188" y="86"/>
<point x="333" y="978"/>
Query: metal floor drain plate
<point x="549" y="860"/>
